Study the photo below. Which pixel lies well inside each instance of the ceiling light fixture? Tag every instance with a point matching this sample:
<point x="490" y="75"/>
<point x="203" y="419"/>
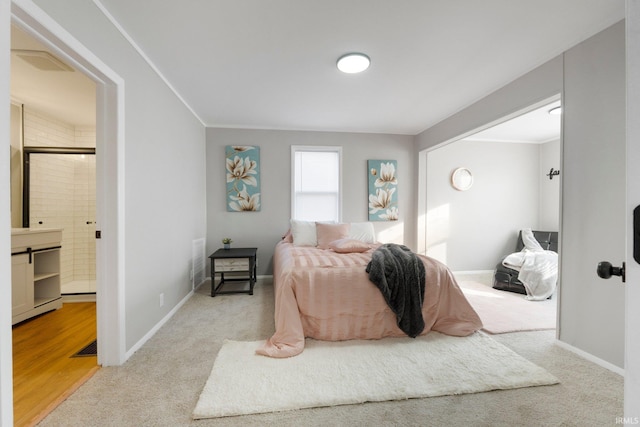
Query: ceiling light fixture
<point x="556" y="110"/>
<point x="353" y="63"/>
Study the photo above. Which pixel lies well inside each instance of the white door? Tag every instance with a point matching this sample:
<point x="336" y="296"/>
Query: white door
<point x="632" y="296"/>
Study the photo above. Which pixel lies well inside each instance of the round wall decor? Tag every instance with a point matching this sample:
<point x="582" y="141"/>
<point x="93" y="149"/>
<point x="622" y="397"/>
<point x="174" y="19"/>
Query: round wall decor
<point x="461" y="179"/>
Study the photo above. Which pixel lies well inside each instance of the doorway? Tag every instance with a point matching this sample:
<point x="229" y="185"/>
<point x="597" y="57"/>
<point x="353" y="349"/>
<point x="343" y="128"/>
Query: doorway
<point x="512" y="189"/>
<point x="55" y="153"/>
<point x="108" y="89"/>
<point x="110" y="183"/>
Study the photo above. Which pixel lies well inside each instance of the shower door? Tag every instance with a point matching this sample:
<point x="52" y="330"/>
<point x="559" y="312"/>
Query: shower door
<point x="61" y="194"/>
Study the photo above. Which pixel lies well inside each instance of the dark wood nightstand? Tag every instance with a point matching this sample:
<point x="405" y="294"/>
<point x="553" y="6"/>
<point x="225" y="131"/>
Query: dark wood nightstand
<point x="237" y="260"/>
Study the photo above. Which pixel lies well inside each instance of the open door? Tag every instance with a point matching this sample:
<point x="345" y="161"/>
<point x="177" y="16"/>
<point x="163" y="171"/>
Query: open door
<point x="628" y="269"/>
<point x="632" y="291"/>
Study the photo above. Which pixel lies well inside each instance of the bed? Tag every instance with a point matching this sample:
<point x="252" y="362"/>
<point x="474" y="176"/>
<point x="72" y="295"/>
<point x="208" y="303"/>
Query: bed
<point x="323" y="292"/>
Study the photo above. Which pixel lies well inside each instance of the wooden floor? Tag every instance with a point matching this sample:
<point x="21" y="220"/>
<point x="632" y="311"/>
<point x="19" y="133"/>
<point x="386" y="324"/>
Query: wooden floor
<point x="44" y="373"/>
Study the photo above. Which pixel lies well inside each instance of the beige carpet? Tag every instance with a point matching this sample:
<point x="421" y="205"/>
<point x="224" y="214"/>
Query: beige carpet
<point x="160" y="384"/>
<point x="350" y="372"/>
<point x="503" y="311"/>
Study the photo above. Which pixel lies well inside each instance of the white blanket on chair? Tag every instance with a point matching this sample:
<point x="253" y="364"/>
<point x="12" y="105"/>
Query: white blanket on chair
<point x="537" y="268"/>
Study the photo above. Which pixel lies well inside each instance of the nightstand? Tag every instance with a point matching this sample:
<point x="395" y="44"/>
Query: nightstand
<point x="237" y="260"/>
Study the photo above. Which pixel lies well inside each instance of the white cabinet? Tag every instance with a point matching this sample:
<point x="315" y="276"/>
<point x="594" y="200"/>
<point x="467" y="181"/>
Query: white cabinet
<point x="35" y="272"/>
<point x="21" y="295"/>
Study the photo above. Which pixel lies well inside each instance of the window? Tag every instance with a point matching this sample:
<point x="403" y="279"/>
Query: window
<point x="315" y="190"/>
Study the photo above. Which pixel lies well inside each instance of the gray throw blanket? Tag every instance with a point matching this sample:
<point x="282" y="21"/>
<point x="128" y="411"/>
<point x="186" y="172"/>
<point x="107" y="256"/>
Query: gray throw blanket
<point x="400" y="276"/>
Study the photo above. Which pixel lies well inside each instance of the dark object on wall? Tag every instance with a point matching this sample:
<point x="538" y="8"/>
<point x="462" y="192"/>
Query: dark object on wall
<point x="636" y="234"/>
<point x="553" y="173"/>
<point x="605" y="270"/>
<point x="506" y="279"/>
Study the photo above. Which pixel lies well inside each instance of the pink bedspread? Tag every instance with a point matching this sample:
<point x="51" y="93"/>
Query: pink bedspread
<point x="327" y="296"/>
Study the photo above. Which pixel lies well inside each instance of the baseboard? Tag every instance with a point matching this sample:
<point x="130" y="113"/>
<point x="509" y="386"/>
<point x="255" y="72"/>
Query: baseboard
<point x="89" y="297"/>
<point x="481" y="276"/>
<point x="473" y="272"/>
<point x="591" y="358"/>
<point x="206" y="279"/>
<point x="258" y="278"/>
<point x="156" y="328"/>
<point x="169" y="315"/>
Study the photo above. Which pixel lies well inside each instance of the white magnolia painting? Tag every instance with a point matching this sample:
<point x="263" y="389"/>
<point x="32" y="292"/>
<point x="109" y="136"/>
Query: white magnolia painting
<point x="243" y="178"/>
<point x="383" y="186"/>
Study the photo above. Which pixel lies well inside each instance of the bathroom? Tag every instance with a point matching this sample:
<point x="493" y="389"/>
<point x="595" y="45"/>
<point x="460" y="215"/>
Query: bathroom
<point x="60" y="193"/>
<point x="53" y="181"/>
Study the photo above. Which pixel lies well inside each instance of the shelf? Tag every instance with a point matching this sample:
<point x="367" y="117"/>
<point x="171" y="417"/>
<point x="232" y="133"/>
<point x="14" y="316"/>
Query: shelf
<point x="43" y="276"/>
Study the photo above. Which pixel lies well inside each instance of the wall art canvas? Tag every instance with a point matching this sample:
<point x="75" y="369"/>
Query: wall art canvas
<point x="243" y="178"/>
<point x="383" y="190"/>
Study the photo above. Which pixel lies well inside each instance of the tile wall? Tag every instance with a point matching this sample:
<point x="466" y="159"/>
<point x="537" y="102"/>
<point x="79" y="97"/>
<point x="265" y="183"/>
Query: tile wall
<point x="63" y="190"/>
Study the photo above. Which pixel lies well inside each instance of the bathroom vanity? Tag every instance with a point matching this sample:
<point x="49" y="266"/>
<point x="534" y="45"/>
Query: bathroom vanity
<point x="35" y="271"/>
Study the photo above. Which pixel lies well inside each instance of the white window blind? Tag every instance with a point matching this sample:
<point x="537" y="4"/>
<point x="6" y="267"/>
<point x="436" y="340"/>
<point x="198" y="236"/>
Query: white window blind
<point x="316" y="183"/>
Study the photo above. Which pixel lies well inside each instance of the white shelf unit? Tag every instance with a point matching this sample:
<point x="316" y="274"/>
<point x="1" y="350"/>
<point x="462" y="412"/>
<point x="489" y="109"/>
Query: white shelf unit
<point x="46" y="277"/>
<point x="35" y="273"/>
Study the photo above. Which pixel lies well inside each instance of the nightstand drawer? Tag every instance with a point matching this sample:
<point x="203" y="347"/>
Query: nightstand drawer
<point x="238" y="264"/>
<point x="231" y="264"/>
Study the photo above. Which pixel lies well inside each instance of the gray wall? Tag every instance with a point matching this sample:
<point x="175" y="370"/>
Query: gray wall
<point x="163" y="167"/>
<point x="542" y="83"/>
<point x="471" y="230"/>
<point x="264" y="229"/>
<point x="592" y="221"/>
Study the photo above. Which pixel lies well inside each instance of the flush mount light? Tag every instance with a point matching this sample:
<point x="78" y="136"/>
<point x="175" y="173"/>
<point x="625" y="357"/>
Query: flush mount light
<point x="556" y="110"/>
<point x="353" y="63"/>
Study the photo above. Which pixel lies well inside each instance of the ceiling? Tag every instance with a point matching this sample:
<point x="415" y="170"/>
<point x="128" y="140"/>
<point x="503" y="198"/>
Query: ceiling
<point x="534" y="127"/>
<point x="271" y="65"/>
<point x="66" y="96"/>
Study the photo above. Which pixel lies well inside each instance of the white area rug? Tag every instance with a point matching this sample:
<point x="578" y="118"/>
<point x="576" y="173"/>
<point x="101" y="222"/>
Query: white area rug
<point x="349" y="372"/>
<point x="502" y="311"/>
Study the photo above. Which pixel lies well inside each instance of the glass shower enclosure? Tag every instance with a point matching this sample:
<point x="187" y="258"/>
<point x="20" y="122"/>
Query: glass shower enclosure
<point x="59" y="191"/>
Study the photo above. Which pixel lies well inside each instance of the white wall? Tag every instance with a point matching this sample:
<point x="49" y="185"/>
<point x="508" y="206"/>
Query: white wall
<point x="471" y="230"/>
<point x="591" y="310"/>
<point x="164" y="172"/>
<point x="549" y="206"/>
<point x="632" y="290"/>
<point x="6" y="380"/>
<point x="265" y="228"/>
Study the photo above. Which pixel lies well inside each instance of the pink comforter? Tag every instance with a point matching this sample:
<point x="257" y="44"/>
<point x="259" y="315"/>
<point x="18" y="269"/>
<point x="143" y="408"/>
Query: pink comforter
<point x="327" y="296"/>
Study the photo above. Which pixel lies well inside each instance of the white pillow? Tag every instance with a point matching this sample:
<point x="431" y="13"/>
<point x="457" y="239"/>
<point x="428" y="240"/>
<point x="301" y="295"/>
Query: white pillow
<point x="362" y="231"/>
<point x="304" y="233"/>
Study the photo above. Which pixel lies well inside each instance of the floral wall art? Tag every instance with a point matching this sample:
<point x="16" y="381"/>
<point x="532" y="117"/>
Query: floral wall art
<point x="383" y="186"/>
<point x="243" y="178"/>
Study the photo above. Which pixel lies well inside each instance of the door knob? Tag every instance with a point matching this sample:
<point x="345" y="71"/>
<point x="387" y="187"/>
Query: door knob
<point x="606" y="270"/>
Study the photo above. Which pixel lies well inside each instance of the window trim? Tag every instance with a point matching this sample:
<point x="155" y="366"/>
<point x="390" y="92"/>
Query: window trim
<point x="315" y="148"/>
